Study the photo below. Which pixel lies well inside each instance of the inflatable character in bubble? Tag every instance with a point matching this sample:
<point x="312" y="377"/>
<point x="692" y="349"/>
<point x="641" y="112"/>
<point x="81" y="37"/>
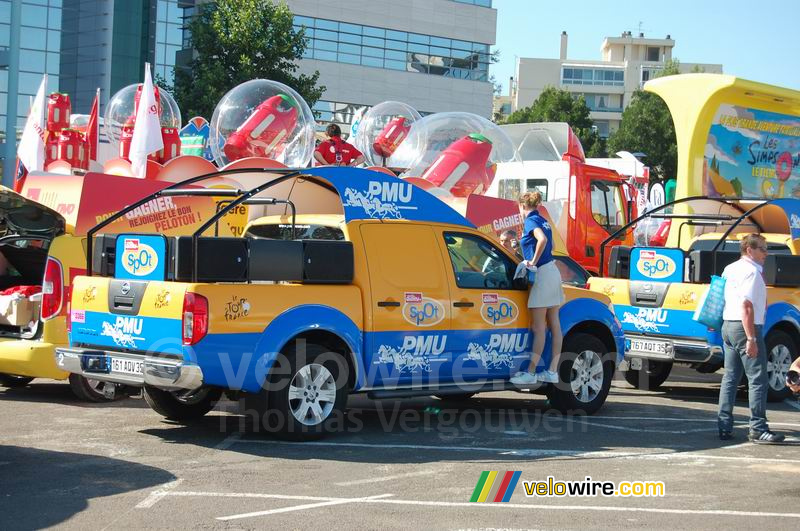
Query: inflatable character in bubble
<point x="463" y="168"/>
<point x="265" y="132"/>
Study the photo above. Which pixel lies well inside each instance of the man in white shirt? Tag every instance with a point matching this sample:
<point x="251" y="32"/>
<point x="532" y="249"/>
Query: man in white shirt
<point x="743" y="342"/>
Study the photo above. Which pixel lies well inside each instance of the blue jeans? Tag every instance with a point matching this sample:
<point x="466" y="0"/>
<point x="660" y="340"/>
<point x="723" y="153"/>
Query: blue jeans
<point x="734" y="342"/>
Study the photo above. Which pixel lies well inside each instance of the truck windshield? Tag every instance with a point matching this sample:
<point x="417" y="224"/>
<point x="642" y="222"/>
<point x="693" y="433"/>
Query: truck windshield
<point x="608" y="205"/>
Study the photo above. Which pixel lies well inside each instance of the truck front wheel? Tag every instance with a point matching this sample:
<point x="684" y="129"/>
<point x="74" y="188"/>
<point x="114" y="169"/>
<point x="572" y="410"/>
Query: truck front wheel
<point x="181" y="406"/>
<point x="585" y="376"/>
<point x="650" y="376"/>
<point x="781" y="352"/>
<point x="307" y="400"/>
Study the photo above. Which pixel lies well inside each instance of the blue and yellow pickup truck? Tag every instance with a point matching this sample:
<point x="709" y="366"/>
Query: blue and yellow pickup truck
<point x="656" y="290"/>
<point x="382" y="289"/>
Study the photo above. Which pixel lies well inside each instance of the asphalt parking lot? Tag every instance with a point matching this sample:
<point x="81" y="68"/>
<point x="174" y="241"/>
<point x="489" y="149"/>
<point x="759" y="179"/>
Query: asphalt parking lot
<point x="400" y="465"/>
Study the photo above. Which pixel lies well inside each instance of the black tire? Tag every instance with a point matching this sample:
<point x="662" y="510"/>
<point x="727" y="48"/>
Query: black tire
<point x="93" y="390"/>
<point x="455" y="397"/>
<point x="780" y="346"/>
<point x="284" y="412"/>
<point x="650" y="376"/>
<point x="14" y="382"/>
<point x="181" y="406"/>
<point x="585" y="347"/>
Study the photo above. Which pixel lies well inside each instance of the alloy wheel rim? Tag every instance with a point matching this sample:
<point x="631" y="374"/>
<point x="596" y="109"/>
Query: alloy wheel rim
<point x="778" y="363"/>
<point x="586" y="378"/>
<point x="312" y="394"/>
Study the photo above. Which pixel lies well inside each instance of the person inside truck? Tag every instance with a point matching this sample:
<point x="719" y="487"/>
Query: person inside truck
<point x="508" y="239"/>
<point x="336" y="151"/>
<point x="546" y="294"/>
<point x="743" y="340"/>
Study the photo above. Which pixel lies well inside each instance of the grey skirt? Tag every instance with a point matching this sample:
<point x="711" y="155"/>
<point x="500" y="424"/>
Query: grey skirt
<point x="546" y="291"/>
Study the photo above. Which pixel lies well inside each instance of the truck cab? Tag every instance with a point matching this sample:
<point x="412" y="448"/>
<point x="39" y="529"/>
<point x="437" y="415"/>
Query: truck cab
<point x="354" y="282"/>
<point x="587" y="203"/>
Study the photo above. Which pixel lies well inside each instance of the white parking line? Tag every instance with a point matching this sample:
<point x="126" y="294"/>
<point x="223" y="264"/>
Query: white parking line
<point x="382" y="499"/>
<point x="158" y="494"/>
<point x="385" y="478"/>
<point x="340" y="501"/>
<point x="529" y="452"/>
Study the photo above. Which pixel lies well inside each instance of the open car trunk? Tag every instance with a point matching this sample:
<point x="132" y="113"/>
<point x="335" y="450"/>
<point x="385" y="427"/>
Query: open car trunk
<point x="26" y="230"/>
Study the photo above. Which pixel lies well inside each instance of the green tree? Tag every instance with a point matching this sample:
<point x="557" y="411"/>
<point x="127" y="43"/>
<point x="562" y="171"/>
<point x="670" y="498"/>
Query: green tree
<point x="557" y="105"/>
<point x="647" y="127"/>
<point x="238" y="40"/>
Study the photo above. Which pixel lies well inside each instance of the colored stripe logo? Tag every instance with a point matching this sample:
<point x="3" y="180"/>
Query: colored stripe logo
<point x="495" y="486"/>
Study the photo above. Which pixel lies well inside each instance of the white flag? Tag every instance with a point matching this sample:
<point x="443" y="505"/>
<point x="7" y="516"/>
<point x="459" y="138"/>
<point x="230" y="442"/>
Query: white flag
<point x="31" y="147"/>
<point x="147" y="129"/>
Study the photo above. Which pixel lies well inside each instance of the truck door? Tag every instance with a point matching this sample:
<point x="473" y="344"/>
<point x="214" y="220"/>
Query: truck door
<point x="490" y="317"/>
<point x="408" y="340"/>
<point x="608" y="212"/>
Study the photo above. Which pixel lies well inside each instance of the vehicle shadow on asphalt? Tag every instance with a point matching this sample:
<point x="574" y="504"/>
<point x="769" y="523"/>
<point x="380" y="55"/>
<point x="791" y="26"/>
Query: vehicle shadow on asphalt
<point x="54" y="392"/>
<point x="43" y="488"/>
<point x="488" y="427"/>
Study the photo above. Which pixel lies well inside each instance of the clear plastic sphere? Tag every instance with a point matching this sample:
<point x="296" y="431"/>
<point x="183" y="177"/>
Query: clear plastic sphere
<point x="433" y="134"/>
<point x="262" y="118"/>
<point x="382" y="130"/>
<point x="121" y="112"/>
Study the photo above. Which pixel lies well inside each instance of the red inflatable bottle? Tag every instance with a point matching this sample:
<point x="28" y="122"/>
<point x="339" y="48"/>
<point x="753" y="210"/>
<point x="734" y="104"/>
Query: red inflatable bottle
<point x="391" y="136"/>
<point x="265" y="132"/>
<point x="463" y="168"/>
<point x="51" y="147"/>
<point x="72" y="148"/>
<point x="172" y="145"/>
<point x="58" y="112"/>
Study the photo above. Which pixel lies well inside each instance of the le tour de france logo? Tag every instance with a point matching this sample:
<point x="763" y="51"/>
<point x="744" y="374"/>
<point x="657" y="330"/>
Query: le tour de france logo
<point x="138" y="258"/>
<point x="654" y="265"/>
<point x="497" y="310"/>
<point x="422" y="311"/>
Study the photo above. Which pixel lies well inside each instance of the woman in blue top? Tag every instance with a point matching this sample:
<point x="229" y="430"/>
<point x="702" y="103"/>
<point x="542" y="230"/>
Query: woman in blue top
<point x="546" y="295"/>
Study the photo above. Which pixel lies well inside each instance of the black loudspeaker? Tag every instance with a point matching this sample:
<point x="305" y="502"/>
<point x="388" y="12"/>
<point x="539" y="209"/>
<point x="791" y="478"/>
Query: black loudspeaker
<point x="219" y="259"/>
<point x="327" y="262"/>
<point x="702" y="265"/>
<point x="786" y="270"/>
<point x="619" y="262"/>
<point x="276" y="259"/>
<point x="104" y="254"/>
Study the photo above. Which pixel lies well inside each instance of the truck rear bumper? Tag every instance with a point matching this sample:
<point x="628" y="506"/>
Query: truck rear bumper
<point x="681" y="351"/>
<point x="163" y="373"/>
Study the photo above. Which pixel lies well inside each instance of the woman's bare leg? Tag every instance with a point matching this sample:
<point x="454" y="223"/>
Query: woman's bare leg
<point x="539" y="329"/>
<point x="556" y="337"/>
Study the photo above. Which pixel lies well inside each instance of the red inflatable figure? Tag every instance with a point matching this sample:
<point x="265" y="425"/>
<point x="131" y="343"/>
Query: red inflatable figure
<point x="265" y="132"/>
<point x="58" y="111"/>
<point x="391" y="137"/>
<point x="463" y="168"/>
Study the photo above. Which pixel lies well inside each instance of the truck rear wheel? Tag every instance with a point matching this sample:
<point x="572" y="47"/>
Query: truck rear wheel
<point x="93" y="390"/>
<point x="650" y="376"/>
<point x="9" y="380"/>
<point x="306" y="400"/>
<point x="781" y="352"/>
<point x="181" y="406"/>
<point x="585" y="378"/>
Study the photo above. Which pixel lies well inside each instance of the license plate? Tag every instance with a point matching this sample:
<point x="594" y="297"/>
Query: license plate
<point x="651" y="346"/>
<point x="126" y="366"/>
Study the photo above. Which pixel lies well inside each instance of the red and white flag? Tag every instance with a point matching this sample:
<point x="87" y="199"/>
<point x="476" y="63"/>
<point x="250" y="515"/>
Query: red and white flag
<point x="31" y="146"/>
<point x="147" y="129"/>
<point x="92" y="128"/>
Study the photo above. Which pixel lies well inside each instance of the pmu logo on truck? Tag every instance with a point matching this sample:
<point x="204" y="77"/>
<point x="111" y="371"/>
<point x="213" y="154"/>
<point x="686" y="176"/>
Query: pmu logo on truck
<point x="654" y="265"/>
<point x="497" y="310"/>
<point x="138" y="258"/>
<point x="422" y="311"/>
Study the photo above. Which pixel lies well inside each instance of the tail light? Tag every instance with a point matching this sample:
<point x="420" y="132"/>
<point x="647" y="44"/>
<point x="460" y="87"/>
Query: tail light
<point x="195" y="318"/>
<point x="52" y="289"/>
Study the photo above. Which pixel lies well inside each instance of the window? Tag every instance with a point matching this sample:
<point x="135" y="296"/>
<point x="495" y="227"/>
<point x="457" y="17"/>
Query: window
<point x="477" y="264"/>
<point x="653" y="53"/>
<point x="608" y="205"/>
<point x="283" y="231"/>
<point x="510" y="189"/>
<point x="537" y="184"/>
<point x="571" y="271"/>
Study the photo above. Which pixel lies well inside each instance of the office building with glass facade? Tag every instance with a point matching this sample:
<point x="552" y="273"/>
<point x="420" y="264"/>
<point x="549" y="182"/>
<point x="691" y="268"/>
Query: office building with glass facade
<point x="433" y="55"/>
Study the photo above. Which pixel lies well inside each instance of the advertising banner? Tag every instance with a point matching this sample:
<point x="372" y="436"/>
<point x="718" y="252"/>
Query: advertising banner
<point x="492" y="215"/>
<point x="752" y="153"/>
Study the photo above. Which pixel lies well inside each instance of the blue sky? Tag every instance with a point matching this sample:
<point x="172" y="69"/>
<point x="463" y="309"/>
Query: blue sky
<point x="754" y="40"/>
